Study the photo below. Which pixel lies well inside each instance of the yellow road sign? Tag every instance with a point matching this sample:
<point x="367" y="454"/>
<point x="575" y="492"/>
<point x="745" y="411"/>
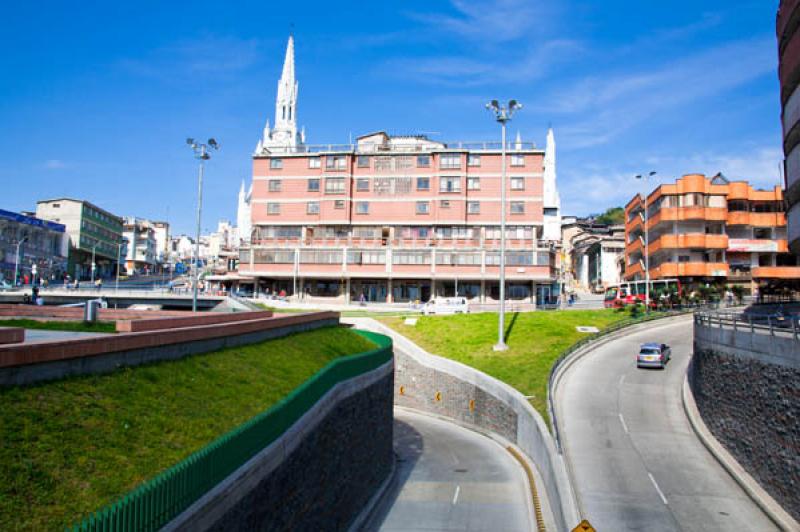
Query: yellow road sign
<point x="584" y="526"/>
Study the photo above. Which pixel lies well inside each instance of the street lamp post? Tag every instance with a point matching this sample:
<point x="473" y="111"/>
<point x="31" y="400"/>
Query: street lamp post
<point x="16" y="262"/>
<point x="200" y="152"/>
<point x="645" y="178"/>
<point x="93" y="264"/>
<point x="119" y="258"/>
<point x="502" y="114"/>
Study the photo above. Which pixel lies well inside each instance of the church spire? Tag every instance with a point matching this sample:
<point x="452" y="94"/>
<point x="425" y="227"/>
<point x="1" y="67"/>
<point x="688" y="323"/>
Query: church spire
<point x="284" y="135"/>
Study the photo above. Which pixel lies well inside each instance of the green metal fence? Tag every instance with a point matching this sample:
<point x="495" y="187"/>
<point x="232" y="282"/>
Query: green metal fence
<point x="159" y="500"/>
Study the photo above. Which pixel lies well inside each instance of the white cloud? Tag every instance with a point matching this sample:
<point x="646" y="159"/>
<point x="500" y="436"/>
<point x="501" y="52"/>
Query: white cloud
<point x="605" y="107"/>
<point x="54" y="164"/>
<point x="206" y="56"/>
<point x="593" y="188"/>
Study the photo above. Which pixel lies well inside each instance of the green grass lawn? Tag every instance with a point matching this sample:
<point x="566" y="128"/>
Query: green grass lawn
<point x="70" y="447"/>
<point x="54" y="325"/>
<point x="535" y="340"/>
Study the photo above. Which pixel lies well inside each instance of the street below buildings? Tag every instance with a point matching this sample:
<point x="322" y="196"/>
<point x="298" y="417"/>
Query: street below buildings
<point x="635" y="460"/>
<point x="451" y="478"/>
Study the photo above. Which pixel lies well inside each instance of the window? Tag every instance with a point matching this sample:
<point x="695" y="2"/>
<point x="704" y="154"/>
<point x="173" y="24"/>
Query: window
<point x="314" y="162"/>
<point x="423" y="207"/>
<point x="517" y="183"/>
<point x="517" y="160"/>
<point x="313" y="185"/>
<point x="473" y="183"/>
<point x="366" y="257"/>
<point x="363" y="161"/>
<point x="56" y="205"/>
<point x="411" y="257"/>
<point x="273" y="256"/>
<point x="474" y="207"/>
<point x="334" y="162"/>
<point x="312" y="207"/>
<point x="423" y="161"/>
<point x="362" y="207"/>
<point x="362" y="185"/>
<point x="276" y="164"/>
<point x="473" y="160"/>
<point x="423" y="183"/>
<point x="338" y="204"/>
<point x="274" y="185"/>
<point x="273" y="208"/>
<point x="450" y="160"/>
<point x="449" y="184"/>
<point x="444" y="204"/>
<point x="693" y="199"/>
<point x="403" y="162"/>
<point x="550" y="211"/>
<point x="449" y="232"/>
<point x="318" y="256"/>
<point x="517" y="207"/>
<point x="334" y="185"/>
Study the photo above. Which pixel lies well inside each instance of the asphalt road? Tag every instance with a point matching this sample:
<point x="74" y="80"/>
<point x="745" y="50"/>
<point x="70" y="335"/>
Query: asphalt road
<point x="636" y="463"/>
<point x="451" y="478"/>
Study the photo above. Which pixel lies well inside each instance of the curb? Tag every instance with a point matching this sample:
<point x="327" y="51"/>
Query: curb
<point x="764" y="500"/>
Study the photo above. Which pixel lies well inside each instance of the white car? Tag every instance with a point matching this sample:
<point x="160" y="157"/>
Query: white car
<point x="653" y="355"/>
<point x="446" y="305"/>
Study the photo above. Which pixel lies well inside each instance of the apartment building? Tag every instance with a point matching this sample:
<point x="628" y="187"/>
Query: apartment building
<point x="29" y="245"/>
<point x="592" y="251"/>
<point x="704" y="230"/>
<point x="788" y="21"/>
<point x="92" y="232"/>
<point x="142" y="249"/>
<point x="396" y="218"/>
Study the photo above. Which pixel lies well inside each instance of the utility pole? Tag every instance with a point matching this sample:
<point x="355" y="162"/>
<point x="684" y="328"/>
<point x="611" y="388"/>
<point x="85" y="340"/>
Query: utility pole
<point x="200" y="152"/>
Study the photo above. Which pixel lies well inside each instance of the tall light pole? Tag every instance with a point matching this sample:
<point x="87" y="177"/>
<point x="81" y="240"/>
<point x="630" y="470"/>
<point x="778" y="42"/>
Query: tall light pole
<point x="502" y="114"/>
<point x="200" y="152"/>
<point x="119" y="258"/>
<point x="16" y="263"/>
<point x="645" y="178"/>
<point x="93" y="265"/>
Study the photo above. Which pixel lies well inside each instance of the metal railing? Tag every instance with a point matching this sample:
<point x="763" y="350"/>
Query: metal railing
<point x="159" y="500"/>
<point x="785" y="326"/>
<point x="422" y="146"/>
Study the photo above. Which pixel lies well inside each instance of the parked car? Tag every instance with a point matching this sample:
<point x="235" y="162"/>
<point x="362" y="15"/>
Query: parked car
<point x="653" y="355"/>
<point x="5" y="286"/>
<point x="446" y="305"/>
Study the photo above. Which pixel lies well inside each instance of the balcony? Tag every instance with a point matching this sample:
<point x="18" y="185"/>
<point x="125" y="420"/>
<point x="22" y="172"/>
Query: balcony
<point x="691" y="269"/>
<point x="688" y="213"/>
<point x="759" y="219"/>
<point x="689" y="241"/>
<point x="776" y="272"/>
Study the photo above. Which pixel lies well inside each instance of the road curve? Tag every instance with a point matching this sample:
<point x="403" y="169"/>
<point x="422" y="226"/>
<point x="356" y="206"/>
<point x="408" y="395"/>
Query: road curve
<point x="635" y="461"/>
<point x="451" y="478"/>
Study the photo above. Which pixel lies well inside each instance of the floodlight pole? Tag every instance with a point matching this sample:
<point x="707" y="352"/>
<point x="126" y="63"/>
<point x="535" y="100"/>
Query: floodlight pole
<point x="502" y="115"/>
<point x="200" y="152"/>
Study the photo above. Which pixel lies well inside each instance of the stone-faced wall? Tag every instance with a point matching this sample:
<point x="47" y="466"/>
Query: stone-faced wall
<point x="753" y="408"/>
<point x="320" y="475"/>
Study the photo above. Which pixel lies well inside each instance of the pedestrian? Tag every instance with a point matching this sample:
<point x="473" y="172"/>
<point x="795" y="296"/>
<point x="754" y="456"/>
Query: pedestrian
<point x="729" y="297"/>
<point x="362" y="300"/>
<point x="77" y="284"/>
<point x="98" y="284"/>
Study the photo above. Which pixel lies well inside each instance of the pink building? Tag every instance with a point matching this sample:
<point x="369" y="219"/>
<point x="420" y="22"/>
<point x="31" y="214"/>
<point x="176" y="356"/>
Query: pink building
<point x="397" y="218"/>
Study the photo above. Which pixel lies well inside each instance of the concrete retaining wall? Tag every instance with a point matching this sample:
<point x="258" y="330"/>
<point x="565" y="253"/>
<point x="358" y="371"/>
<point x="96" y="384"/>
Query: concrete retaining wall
<point x="76" y="313"/>
<point x="747" y="390"/>
<point x="22" y="364"/>
<point x="446" y="388"/>
<point x="317" y="476"/>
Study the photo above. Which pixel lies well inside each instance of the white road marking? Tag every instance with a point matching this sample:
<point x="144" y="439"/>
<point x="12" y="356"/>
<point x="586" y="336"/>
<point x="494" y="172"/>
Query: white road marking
<point x="660" y="493"/>
<point x="455" y="496"/>
<point x="624" y="426"/>
<point x="621" y="380"/>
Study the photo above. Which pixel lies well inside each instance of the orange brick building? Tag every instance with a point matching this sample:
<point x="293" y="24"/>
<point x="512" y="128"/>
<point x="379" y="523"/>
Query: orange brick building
<point x="710" y="230"/>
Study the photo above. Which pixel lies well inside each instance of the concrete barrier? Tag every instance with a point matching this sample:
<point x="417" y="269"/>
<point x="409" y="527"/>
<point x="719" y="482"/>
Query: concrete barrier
<point x="319" y="475"/>
<point x="22" y="364"/>
<point x="453" y="390"/>
<point x="11" y="335"/>
<point x="193" y="320"/>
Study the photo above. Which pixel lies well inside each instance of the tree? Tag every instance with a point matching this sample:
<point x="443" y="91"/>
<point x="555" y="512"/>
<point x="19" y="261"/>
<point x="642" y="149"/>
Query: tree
<point x="612" y="216"/>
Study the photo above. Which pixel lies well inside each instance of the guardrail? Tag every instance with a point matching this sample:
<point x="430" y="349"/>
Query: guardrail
<point x="159" y="500"/>
<point x="768" y="324"/>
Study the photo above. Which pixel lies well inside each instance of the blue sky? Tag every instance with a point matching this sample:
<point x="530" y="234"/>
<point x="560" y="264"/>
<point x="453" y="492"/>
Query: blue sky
<point x="96" y="99"/>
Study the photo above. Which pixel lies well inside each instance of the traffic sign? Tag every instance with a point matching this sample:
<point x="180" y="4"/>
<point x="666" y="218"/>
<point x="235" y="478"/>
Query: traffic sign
<point x="584" y="526"/>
